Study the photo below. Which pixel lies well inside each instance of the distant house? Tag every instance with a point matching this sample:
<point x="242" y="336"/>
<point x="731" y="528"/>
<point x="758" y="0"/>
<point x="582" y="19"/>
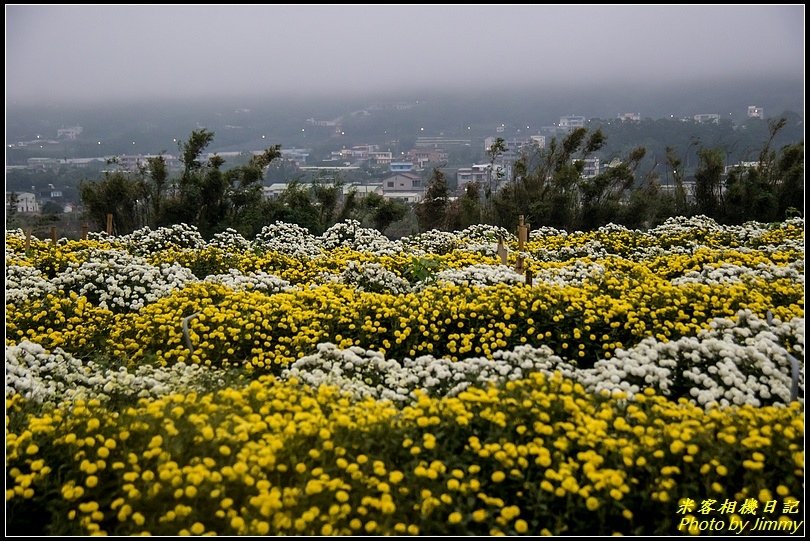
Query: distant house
<point x="298" y="156"/>
<point x="740" y="166"/>
<point x="132" y="163"/>
<point x="400" y="167"/>
<point x="425" y="155"/>
<point x="441" y="142"/>
<point x="630" y="117"/>
<point x="43" y="164"/>
<point x="381" y="158"/>
<point x="70" y="133"/>
<point x="477" y="173"/>
<point x="26" y="201"/>
<point x="274" y="190"/>
<point x="539" y="140"/>
<point x="406" y="187"/>
<point x="572" y="121"/>
<point x="463" y="176"/>
<point x="756" y="112"/>
<point x="51" y="194"/>
<point x="362" y="190"/>
<point x="591" y="167"/>
<point x="706" y="118"/>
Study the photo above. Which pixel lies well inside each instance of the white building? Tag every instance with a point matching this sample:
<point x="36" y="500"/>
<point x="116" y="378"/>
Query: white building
<point x="592" y="167"/>
<point x="741" y="166"/>
<point x="539" y="140"/>
<point x="572" y="121"/>
<point x="756" y="112"/>
<point x="406" y="187"/>
<point x="706" y="118"/>
<point x="274" y="190"/>
<point x="477" y="173"/>
<point x="630" y="117"/>
<point x="381" y="158"/>
<point x="26" y="201"/>
<point x="70" y="133"/>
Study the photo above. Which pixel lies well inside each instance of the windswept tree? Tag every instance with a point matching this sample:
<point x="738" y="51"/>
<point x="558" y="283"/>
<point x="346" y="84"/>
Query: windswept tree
<point x="675" y="164"/>
<point x="494" y="177"/>
<point x="431" y="212"/>
<point x="708" y="182"/>
<point x="157" y="178"/>
<point x="547" y="188"/>
<point x="204" y="195"/>
<point x="191" y="150"/>
<point x="243" y="197"/>
<point x="118" y="194"/>
<point x="771" y="190"/>
<point x="327" y="195"/>
<point x="603" y="196"/>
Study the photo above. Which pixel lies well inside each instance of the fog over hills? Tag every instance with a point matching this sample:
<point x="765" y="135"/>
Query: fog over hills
<point x="240" y="122"/>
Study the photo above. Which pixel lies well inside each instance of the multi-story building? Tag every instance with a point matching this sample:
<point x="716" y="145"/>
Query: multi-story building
<point x="592" y="167"/>
<point x="407" y="187"/>
<point x="25" y="201"/>
<point x="477" y="173"/>
<point x="381" y="157"/>
<point x="423" y="156"/>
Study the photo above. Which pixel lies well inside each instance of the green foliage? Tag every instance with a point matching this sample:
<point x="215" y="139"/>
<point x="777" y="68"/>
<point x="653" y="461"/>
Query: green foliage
<point x="117" y="194"/>
<point x="708" y="179"/>
<point x="51" y="207"/>
<point x="383" y="212"/>
<point x="432" y="210"/>
<point x="422" y="270"/>
<point x="191" y="150"/>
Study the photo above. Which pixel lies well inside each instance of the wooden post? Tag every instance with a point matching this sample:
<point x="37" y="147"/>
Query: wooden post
<point x="529" y="277"/>
<point x="523" y="233"/>
<point x="27" y="240"/>
<point x="84" y="231"/>
<point x="503" y="253"/>
<point x="519" y="263"/>
<point x="53" y="234"/>
<point x="109" y="224"/>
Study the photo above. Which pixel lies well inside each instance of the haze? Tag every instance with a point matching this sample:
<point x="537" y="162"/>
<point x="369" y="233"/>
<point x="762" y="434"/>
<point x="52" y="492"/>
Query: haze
<point x="114" y="53"/>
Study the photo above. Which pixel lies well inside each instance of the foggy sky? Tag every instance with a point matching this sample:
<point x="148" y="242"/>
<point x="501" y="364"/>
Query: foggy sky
<point x="65" y="53"/>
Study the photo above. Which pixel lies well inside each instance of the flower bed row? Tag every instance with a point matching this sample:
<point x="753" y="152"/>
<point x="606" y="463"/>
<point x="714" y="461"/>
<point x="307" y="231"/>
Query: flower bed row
<point x="538" y="455"/>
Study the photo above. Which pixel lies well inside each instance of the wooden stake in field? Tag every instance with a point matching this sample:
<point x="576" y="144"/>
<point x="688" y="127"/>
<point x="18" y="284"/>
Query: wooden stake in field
<point x="523" y="233"/>
<point x="529" y="277"/>
<point x="503" y="253"/>
<point x="523" y="238"/>
<point x="28" y="240"/>
<point x="109" y="224"/>
<point x="84" y="231"/>
<point x="53" y="234"/>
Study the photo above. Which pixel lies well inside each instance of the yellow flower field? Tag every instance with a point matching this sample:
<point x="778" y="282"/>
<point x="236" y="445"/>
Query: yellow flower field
<point x="642" y="383"/>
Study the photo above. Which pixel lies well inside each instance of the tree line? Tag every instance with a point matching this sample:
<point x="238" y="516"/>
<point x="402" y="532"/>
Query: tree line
<point x="213" y="199"/>
<point x="547" y="186"/>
